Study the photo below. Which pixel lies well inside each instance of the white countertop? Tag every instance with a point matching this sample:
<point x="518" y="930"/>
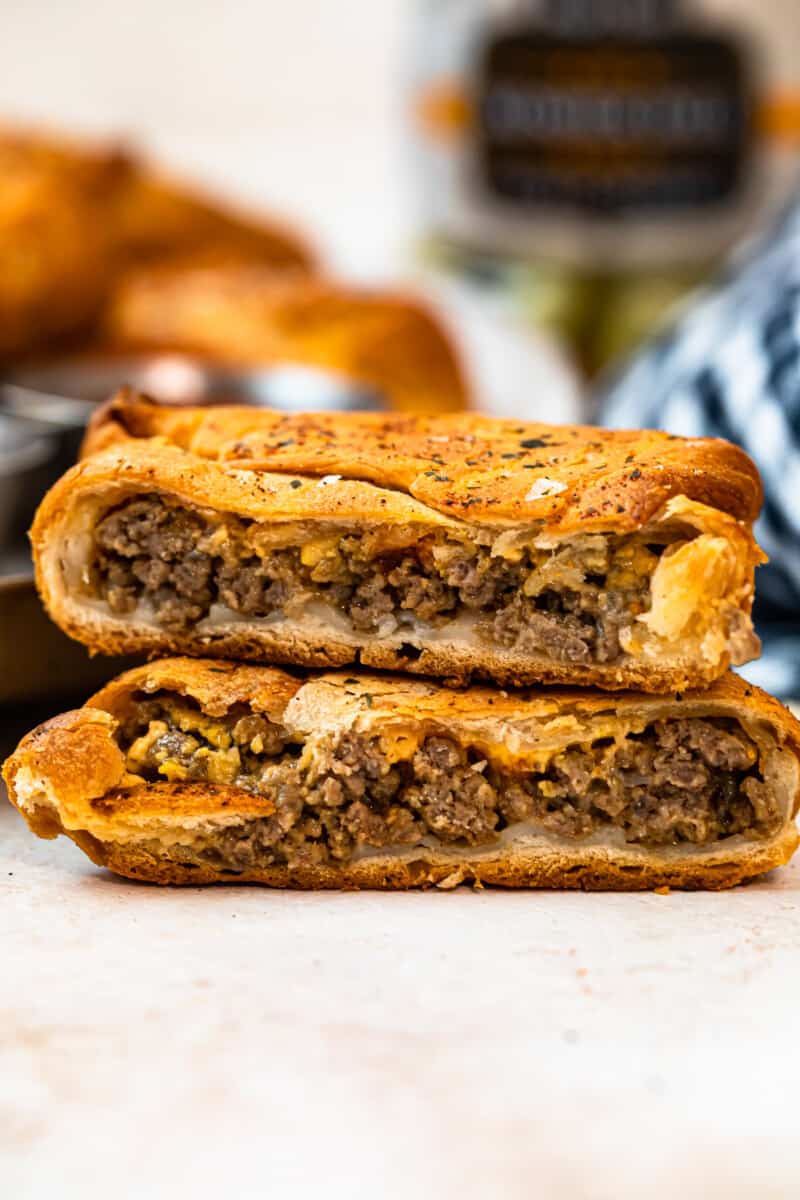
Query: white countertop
<point x="241" y="1042"/>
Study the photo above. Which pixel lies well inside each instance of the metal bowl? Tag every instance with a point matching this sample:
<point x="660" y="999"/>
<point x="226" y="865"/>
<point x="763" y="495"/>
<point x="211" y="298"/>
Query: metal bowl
<point x="64" y="392"/>
<point x="44" y="409"/>
<point x="25" y="455"/>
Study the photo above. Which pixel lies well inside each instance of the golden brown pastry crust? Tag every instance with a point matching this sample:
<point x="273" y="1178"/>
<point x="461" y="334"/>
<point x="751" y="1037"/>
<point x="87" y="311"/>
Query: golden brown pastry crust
<point x="67" y="776"/>
<point x="250" y="314"/>
<point x="474" y="468"/>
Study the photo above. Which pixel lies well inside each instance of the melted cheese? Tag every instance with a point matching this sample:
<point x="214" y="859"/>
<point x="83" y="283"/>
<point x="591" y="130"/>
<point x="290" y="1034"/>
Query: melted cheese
<point x="314" y="551"/>
<point x="401" y="745"/>
<point x="223" y="762"/>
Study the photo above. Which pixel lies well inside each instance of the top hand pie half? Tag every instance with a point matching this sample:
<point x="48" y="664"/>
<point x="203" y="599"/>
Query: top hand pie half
<point x="454" y="546"/>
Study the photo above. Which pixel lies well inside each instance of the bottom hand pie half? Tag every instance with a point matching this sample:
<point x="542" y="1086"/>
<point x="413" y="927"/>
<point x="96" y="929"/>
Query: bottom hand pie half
<point x="195" y="771"/>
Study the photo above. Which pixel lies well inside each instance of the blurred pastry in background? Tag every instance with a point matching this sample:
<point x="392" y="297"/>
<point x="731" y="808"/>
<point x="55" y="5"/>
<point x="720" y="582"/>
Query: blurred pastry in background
<point x="159" y="220"/>
<point x="98" y="252"/>
<point x="255" y="315"/>
<point x="56" y="256"/>
<point x="74" y="217"/>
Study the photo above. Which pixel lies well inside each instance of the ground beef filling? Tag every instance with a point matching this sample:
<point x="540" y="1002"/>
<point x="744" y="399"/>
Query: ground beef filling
<point x="182" y="562"/>
<point x="681" y="781"/>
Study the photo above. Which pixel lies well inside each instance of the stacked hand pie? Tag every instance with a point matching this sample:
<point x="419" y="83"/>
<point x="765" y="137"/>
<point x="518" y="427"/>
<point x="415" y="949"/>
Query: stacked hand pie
<point x="453" y="556"/>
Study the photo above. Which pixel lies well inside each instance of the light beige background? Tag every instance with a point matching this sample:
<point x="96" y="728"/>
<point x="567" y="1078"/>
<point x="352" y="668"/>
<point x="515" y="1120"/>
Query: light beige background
<point x="296" y="104"/>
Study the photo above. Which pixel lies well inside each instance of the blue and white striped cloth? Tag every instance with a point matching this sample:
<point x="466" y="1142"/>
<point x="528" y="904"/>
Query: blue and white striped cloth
<point x="730" y="367"/>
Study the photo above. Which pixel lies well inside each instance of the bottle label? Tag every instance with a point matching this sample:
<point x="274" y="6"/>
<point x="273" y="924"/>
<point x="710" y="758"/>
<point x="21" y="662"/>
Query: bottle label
<point x="613" y="125"/>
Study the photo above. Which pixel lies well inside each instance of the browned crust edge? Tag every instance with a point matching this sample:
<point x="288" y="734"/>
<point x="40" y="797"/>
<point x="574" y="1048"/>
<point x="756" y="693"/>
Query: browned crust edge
<point x="559" y="871"/>
<point x="456" y="670"/>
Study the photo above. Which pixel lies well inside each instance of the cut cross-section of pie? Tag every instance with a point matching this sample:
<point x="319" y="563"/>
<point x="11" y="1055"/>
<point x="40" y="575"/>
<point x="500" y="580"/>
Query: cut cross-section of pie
<point x="202" y="771"/>
<point x="456" y="546"/>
